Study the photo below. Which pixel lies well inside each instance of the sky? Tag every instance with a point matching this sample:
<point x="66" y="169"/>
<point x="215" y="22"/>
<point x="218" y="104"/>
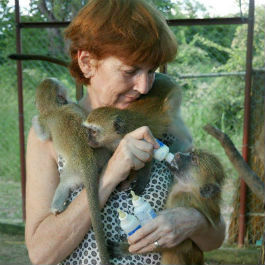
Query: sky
<point x="224" y="7"/>
<point x="216" y="7"/>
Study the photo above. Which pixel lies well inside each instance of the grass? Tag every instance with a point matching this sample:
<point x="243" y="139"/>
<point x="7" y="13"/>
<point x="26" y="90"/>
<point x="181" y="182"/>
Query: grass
<point x="10" y="202"/>
<point x="12" y="249"/>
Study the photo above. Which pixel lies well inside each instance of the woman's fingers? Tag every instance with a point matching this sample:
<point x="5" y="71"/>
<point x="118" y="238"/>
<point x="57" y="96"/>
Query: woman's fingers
<point x="144" y="133"/>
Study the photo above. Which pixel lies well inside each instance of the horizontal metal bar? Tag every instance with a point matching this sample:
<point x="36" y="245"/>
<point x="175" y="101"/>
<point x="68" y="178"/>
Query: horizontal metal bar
<point x="207" y="21"/>
<point x="187" y="76"/>
<point x="57" y="24"/>
<point x="171" y="22"/>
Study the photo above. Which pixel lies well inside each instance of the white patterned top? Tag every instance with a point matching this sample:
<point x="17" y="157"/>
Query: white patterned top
<point x="155" y="193"/>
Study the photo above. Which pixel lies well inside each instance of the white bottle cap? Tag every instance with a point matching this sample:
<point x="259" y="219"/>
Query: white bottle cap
<point x="161" y="153"/>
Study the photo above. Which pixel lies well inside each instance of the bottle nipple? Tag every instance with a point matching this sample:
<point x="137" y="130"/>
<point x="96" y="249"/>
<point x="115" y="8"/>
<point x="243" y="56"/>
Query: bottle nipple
<point x="169" y="157"/>
<point x="122" y="214"/>
<point x="134" y="196"/>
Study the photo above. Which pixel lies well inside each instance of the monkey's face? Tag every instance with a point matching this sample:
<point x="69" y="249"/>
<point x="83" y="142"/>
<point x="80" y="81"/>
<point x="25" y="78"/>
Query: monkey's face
<point x="94" y="134"/>
<point x="183" y="163"/>
<point x="105" y="128"/>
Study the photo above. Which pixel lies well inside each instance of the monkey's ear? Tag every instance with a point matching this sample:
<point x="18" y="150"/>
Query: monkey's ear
<point x="209" y="190"/>
<point x="119" y="125"/>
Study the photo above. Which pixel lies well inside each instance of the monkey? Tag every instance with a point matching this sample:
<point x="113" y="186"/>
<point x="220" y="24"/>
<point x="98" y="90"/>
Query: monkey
<point x="69" y="127"/>
<point x="62" y="124"/>
<point x="198" y="179"/>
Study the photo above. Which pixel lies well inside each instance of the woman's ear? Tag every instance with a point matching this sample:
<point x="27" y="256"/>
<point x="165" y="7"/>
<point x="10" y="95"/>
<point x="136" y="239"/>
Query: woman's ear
<point x="86" y="64"/>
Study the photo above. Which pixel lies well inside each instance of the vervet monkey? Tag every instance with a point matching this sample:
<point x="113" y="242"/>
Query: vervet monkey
<point x="198" y="178"/>
<point x="72" y="139"/>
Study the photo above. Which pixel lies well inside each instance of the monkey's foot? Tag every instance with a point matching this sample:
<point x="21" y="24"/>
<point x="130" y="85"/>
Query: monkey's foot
<point x="56" y="209"/>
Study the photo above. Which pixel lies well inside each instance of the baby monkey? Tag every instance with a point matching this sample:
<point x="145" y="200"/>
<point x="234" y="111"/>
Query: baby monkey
<point x="198" y="178"/>
<point x="86" y="143"/>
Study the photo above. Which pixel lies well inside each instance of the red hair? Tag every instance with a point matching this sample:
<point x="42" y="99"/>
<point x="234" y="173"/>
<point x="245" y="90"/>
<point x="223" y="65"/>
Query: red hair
<point x="130" y="30"/>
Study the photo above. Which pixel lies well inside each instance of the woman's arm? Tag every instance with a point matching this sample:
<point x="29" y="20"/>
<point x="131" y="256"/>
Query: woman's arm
<point x="206" y="236"/>
<point x="51" y="238"/>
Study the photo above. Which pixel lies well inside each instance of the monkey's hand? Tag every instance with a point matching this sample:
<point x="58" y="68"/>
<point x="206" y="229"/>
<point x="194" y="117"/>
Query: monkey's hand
<point x="168" y="229"/>
<point x="133" y="151"/>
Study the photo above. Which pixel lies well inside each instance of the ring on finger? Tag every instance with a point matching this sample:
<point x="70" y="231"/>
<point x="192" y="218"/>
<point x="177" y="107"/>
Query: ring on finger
<point x="156" y="244"/>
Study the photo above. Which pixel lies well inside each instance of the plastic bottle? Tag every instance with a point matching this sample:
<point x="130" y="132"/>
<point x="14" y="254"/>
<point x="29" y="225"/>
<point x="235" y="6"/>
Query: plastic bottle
<point x="142" y="209"/>
<point x="129" y="223"/>
<point x="162" y="153"/>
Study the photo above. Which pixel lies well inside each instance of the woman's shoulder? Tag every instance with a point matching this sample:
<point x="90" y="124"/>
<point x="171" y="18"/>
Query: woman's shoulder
<point x="39" y="147"/>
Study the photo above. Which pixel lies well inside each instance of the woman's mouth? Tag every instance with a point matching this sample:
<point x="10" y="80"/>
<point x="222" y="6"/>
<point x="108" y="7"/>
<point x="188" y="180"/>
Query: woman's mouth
<point x="131" y="99"/>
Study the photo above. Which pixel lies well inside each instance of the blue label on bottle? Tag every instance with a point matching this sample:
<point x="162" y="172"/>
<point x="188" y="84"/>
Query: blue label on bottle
<point x="153" y="214"/>
<point x="133" y="231"/>
<point x="160" y="143"/>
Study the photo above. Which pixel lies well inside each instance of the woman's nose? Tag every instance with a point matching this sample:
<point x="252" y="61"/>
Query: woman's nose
<point x="143" y="83"/>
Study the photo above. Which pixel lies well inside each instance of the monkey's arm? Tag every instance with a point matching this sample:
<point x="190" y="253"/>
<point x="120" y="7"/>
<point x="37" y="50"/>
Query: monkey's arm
<point x="173" y="226"/>
<point x="45" y="232"/>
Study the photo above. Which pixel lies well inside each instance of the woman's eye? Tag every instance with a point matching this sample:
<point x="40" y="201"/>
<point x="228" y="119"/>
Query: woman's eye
<point x="130" y="72"/>
<point x="152" y="71"/>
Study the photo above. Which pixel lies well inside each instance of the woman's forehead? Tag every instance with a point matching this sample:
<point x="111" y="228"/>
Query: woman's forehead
<point x="119" y="64"/>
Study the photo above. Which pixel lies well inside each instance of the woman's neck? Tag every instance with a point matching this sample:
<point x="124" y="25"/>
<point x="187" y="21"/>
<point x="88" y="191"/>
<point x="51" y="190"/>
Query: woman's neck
<point x="84" y="102"/>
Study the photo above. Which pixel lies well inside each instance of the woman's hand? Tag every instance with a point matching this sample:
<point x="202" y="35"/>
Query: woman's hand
<point x="134" y="150"/>
<point x="168" y="229"/>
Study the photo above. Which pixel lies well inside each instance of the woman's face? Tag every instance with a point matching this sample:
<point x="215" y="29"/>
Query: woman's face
<point x="115" y="84"/>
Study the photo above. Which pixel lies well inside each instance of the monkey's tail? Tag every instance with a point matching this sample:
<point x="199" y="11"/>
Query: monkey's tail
<point x="92" y="186"/>
<point x="20" y="57"/>
<point x="118" y="249"/>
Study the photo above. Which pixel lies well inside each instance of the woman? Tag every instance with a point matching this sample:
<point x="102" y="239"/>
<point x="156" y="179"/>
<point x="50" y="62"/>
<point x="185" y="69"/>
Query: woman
<point x="116" y="46"/>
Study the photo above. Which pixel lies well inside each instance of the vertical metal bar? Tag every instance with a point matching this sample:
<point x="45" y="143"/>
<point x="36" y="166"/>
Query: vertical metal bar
<point x="245" y="149"/>
<point x="79" y="92"/>
<point x="163" y="69"/>
<point x="20" y="109"/>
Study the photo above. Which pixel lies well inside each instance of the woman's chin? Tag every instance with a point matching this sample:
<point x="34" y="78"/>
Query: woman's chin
<point x="122" y="105"/>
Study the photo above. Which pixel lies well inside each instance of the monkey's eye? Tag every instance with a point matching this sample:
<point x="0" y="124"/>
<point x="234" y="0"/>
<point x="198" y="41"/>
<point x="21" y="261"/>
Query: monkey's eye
<point x="92" y="132"/>
<point x="193" y="159"/>
<point x="177" y="156"/>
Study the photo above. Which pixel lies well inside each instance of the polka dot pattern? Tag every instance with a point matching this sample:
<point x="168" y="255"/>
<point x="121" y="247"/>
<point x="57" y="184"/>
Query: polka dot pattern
<point x="155" y="193"/>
